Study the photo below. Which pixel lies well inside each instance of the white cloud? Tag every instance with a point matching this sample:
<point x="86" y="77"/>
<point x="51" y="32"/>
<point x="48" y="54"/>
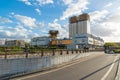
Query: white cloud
<point x="21" y="30"/>
<point x="114" y="18"/>
<point x="17" y="32"/>
<point x="42" y="2"/>
<point x="36" y="35"/>
<point x="75" y="8"/>
<point x="97" y="16"/>
<point x="67" y="1"/>
<point x="37" y="2"/>
<point x="108" y="5"/>
<point x="27" y="2"/>
<point x="106" y="25"/>
<point x="1" y="27"/>
<point x="5" y="20"/>
<point x="38" y="11"/>
<point x="118" y="8"/>
<point x="103" y="29"/>
<point x="63" y="33"/>
<point x="45" y="1"/>
<point x="29" y="22"/>
<point x="56" y="20"/>
<point x="109" y="31"/>
<point x="12" y="13"/>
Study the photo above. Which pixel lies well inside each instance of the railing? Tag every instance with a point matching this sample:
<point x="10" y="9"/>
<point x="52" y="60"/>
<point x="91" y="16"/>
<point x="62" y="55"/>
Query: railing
<point x="22" y="63"/>
<point x="11" y="54"/>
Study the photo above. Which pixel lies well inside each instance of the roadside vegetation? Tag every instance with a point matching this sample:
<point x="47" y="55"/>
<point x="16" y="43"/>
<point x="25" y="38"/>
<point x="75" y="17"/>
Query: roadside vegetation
<point x="28" y="48"/>
<point x="111" y="46"/>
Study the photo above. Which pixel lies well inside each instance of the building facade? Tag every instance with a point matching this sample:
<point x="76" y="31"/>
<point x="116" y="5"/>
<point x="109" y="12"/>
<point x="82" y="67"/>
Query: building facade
<point x="11" y="43"/>
<point x="61" y="42"/>
<point x="40" y="41"/>
<point x="79" y="32"/>
<point x="79" y="25"/>
<point x="87" y="40"/>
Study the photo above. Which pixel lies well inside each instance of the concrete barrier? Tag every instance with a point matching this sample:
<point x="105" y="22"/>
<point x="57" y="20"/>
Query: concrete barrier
<point x="24" y="65"/>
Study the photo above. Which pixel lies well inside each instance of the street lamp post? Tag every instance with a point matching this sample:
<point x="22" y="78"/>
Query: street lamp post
<point x="5" y="49"/>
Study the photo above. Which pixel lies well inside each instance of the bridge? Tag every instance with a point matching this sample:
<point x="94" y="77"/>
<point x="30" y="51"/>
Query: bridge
<point x="65" y="65"/>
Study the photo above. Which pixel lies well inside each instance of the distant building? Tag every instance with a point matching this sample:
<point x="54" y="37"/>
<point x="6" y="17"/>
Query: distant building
<point x="1" y="42"/>
<point x="79" y="25"/>
<point x="40" y="41"/>
<point x="86" y="41"/>
<point x="62" y="42"/>
<point x="79" y="32"/>
<point x="53" y="33"/>
<point x="11" y="43"/>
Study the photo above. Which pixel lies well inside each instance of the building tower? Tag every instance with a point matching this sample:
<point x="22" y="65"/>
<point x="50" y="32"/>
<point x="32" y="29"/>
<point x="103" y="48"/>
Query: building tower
<point x="53" y="33"/>
<point x="79" y="25"/>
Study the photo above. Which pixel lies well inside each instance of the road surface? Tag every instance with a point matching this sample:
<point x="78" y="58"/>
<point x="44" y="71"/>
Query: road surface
<point x="95" y="67"/>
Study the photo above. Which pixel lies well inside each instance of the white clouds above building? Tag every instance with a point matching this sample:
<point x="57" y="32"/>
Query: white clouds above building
<point x="28" y="21"/>
<point x="74" y="8"/>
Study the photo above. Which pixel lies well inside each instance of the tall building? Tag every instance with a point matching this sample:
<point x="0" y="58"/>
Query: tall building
<point x="79" y="31"/>
<point x="79" y="25"/>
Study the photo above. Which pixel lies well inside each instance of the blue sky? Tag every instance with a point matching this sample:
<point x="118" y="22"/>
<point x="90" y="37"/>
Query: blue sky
<point x="24" y="19"/>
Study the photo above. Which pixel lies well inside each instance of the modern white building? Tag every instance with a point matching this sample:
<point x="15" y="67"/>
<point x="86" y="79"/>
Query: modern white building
<point x="79" y="25"/>
<point x="40" y="41"/>
<point x="86" y="41"/>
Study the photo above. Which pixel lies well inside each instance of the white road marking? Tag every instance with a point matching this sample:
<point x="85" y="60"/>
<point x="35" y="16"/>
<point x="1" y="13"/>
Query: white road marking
<point x="110" y="69"/>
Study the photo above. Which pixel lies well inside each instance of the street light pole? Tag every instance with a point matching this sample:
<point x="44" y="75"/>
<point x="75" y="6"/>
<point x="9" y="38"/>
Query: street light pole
<point x="5" y="48"/>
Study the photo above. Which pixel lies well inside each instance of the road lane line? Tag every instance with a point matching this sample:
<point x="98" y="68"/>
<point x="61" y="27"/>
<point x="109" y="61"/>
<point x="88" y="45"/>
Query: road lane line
<point x="110" y="69"/>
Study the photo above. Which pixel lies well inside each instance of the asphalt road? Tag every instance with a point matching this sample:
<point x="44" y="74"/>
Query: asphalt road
<point x="99" y="67"/>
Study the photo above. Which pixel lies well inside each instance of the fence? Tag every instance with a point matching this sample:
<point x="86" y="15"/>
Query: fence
<point x="12" y="65"/>
<point x="9" y="54"/>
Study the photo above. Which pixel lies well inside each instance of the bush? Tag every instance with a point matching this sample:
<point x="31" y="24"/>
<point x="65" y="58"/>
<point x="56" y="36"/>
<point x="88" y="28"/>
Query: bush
<point x="117" y="51"/>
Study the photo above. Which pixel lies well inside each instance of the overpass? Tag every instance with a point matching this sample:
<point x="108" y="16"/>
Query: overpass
<point x="68" y="66"/>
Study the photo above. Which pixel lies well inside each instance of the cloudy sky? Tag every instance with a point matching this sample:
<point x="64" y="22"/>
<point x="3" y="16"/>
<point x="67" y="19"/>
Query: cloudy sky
<point x="24" y="19"/>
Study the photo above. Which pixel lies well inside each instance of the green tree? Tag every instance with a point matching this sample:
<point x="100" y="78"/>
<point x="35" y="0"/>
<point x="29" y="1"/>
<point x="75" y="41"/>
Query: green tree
<point x="111" y="44"/>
